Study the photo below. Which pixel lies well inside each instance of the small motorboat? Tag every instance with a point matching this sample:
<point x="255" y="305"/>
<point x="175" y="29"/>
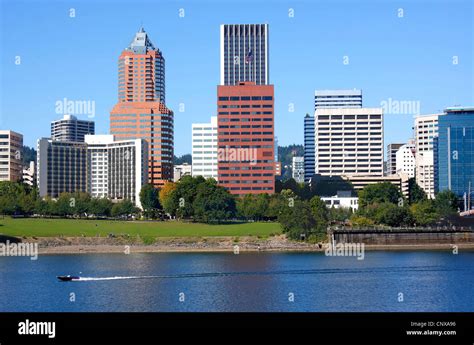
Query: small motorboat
<point x="68" y="278"/>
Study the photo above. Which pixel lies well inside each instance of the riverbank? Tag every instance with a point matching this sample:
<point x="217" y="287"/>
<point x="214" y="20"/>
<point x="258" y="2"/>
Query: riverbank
<point x="88" y="245"/>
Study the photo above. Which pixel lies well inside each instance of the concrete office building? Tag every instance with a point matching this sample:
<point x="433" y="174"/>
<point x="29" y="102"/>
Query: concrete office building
<point x="297" y="171"/>
<point x="405" y="159"/>
<point x="349" y="141"/>
<point x="246" y="138"/>
<point x="204" y="149"/>
<point x="61" y="167"/>
<point x="392" y="149"/>
<point x="11" y="150"/>
<point x="426" y="129"/>
<point x="309" y="149"/>
<point x="244" y="54"/>
<point x="360" y="181"/>
<point x="116" y="169"/>
<point x="69" y="128"/>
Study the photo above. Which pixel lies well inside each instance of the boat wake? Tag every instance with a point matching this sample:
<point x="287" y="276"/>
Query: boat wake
<point x="263" y="273"/>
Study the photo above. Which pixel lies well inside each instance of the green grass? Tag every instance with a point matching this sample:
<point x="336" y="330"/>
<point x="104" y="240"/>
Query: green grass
<point x="76" y="228"/>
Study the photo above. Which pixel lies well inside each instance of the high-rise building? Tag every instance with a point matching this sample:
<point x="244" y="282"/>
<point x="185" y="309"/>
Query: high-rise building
<point x="309" y="148"/>
<point x="405" y="159"/>
<point x="392" y="158"/>
<point x="246" y="138"/>
<point x="141" y="112"/>
<point x="69" y="128"/>
<point x="455" y="151"/>
<point x="349" y="141"/>
<point x="116" y="169"/>
<point x="426" y="129"/>
<point x="204" y="150"/>
<point x="297" y="171"/>
<point x="11" y="149"/>
<point x="244" y="54"/>
<point x="337" y="99"/>
<point x="61" y="167"/>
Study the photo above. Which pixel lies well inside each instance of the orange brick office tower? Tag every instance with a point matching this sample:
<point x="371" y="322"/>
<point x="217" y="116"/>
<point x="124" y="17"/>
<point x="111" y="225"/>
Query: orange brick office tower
<point x="246" y="138"/>
<point x="141" y="111"/>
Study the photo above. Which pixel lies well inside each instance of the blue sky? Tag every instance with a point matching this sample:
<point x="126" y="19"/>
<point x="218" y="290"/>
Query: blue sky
<point x="408" y="58"/>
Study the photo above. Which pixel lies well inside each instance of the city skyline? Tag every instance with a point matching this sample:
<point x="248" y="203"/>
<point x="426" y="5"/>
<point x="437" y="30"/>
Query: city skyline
<point x="192" y="97"/>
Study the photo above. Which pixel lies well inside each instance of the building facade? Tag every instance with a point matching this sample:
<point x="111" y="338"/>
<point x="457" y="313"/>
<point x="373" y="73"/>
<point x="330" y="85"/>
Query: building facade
<point x="405" y="159"/>
<point x="349" y="141"/>
<point x="426" y="129"/>
<point x="116" y="169"/>
<point x="244" y="54"/>
<point x="361" y="181"/>
<point x="69" y="128"/>
<point x="337" y="99"/>
<point x="455" y="151"/>
<point x="309" y="148"/>
<point x="141" y="112"/>
<point x="392" y="149"/>
<point x="61" y="167"/>
<point x="11" y="150"/>
<point x="297" y="171"/>
<point x="181" y="170"/>
<point x="246" y="136"/>
<point x="204" y="150"/>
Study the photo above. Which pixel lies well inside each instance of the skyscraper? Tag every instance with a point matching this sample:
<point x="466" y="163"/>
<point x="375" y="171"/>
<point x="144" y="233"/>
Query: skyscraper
<point x="141" y="112"/>
<point x="244" y="54"/>
<point x="349" y="141"/>
<point x="405" y="159"/>
<point x="309" y="149"/>
<point x="69" y="128"/>
<point x="246" y="138"/>
<point x="455" y="151"/>
<point x="426" y="129"/>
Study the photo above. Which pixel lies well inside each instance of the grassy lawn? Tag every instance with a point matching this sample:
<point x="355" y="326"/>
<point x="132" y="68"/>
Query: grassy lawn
<point x="75" y="227"/>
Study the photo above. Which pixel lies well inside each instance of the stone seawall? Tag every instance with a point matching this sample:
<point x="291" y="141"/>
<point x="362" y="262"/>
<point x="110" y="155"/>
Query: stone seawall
<point x="394" y="237"/>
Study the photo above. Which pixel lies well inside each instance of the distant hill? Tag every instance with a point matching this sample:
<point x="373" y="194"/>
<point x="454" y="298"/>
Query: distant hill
<point x="285" y="156"/>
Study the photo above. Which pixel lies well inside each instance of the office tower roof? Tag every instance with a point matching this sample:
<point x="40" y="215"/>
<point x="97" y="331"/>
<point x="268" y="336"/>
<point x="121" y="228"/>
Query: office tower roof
<point x="141" y="43"/>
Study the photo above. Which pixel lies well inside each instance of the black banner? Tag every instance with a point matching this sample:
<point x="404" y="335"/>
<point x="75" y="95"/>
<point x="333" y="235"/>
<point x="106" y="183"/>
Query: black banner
<point x="236" y="328"/>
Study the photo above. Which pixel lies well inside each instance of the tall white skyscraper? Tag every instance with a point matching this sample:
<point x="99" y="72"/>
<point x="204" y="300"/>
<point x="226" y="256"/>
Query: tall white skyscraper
<point x="11" y="148"/>
<point x="244" y="53"/>
<point x="426" y="128"/>
<point x="349" y="141"/>
<point x="204" y="150"/>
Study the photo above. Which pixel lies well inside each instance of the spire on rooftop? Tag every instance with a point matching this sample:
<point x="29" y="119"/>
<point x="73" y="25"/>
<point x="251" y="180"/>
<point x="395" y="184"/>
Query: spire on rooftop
<point x="141" y="43"/>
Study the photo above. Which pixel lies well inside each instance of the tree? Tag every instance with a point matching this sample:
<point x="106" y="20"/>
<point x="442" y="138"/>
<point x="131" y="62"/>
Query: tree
<point x="415" y="193"/>
<point x="298" y="220"/>
<point x="164" y="197"/>
<point x="213" y="203"/>
<point x="149" y="200"/>
<point x="180" y="200"/>
<point x="100" y="207"/>
<point x="379" y="193"/>
<point x="123" y="208"/>
<point x="320" y="212"/>
<point x="424" y="212"/>
<point x="446" y="203"/>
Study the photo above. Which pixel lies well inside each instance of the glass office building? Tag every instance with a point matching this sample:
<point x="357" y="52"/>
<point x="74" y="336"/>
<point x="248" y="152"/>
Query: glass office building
<point x="454" y="149"/>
